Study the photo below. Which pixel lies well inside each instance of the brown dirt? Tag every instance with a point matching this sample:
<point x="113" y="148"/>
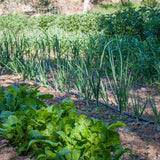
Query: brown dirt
<point x="142" y="138"/>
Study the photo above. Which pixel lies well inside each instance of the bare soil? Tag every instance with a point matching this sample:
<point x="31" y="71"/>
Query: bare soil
<point x="142" y="138"/>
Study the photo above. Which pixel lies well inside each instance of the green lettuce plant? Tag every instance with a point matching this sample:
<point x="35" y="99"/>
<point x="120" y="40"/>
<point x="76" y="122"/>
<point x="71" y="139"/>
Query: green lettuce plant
<point x="22" y="97"/>
<point x="57" y="132"/>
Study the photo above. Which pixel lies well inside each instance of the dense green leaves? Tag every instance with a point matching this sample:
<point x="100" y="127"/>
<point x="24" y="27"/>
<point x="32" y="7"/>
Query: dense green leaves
<point x="21" y="98"/>
<point x="57" y="132"/>
<point x="137" y="31"/>
<point x="141" y="22"/>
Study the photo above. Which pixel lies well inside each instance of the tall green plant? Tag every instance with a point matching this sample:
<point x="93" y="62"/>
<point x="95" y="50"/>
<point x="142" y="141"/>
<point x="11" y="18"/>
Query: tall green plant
<point x="156" y="114"/>
<point x="82" y="80"/>
<point x="104" y="92"/>
<point x="137" y="108"/>
<point x="121" y="81"/>
<point x="95" y="78"/>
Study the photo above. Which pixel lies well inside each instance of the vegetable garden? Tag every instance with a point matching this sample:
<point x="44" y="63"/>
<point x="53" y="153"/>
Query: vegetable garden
<point x="101" y="58"/>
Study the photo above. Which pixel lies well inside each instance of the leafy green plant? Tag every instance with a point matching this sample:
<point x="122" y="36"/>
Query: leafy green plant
<point x="58" y="132"/>
<point x="20" y="98"/>
<point x="127" y="22"/>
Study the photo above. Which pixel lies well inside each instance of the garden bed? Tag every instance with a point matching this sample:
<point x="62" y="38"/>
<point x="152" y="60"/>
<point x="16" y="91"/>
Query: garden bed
<point x="142" y="138"/>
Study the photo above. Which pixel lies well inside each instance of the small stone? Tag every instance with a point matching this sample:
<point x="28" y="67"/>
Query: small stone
<point x="143" y="89"/>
